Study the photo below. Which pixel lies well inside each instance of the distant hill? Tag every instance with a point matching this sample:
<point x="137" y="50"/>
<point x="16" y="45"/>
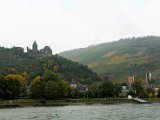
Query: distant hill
<point x="15" y="61"/>
<point x="122" y="58"/>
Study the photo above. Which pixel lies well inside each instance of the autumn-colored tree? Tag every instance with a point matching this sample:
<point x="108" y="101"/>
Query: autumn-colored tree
<point x="15" y="82"/>
<point x="22" y="78"/>
<point x="37" y="87"/>
<point x="25" y="76"/>
<point x="24" y="91"/>
<point x="55" y="68"/>
<point x="150" y="92"/>
<point x="19" y="78"/>
<point x="138" y="88"/>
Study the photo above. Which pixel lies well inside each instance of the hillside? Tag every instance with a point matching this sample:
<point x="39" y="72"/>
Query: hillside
<point x="16" y="61"/>
<point x="122" y="58"/>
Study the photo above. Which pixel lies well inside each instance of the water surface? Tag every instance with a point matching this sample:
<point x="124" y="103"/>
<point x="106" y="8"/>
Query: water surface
<point x="85" y="112"/>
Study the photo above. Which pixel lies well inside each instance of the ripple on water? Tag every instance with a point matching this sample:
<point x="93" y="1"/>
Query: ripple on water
<point x="84" y="112"/>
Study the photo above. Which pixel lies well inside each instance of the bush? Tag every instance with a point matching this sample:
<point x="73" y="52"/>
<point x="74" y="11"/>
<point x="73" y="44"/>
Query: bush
<point x="43" y="101"/>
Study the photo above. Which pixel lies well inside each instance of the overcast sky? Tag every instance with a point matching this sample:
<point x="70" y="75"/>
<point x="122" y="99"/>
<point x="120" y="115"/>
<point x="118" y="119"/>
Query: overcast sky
<point x="70" y="24"/>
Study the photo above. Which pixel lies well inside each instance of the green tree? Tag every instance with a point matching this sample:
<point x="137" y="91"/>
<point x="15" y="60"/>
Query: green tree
<point x="63" y="88"/>
<point x="72" y="92"/>
<point x="51" y="76"/>
<point x="52" y="90"/>
<point x="93" y="91"/>
<point x="158" y="93"/>
<point x="5" y="93"/>
<point x="107" y="89"/>
<point x="117" y="90"/>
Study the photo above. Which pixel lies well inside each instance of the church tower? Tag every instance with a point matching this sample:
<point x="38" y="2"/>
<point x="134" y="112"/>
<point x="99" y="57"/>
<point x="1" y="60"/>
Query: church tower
<point x="35" y="47"/>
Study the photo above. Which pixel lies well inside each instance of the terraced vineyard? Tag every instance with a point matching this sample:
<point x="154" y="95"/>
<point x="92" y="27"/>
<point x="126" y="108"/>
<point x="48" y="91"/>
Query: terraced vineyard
<point x="122" y="58"/>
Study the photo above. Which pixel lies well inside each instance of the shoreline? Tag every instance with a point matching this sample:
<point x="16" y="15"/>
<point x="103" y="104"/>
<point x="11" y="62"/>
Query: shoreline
<point x="66" y="102"/>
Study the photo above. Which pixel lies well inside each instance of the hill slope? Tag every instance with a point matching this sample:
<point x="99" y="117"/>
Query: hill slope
<point x="122" y="58"/>
<point x="15" y="61"/>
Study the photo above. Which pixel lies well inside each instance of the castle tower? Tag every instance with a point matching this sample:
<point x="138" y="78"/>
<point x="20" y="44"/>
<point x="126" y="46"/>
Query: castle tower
<point x="148" y="79"/>
<point x="35" y="47"/>
<point x="109" y="77"/>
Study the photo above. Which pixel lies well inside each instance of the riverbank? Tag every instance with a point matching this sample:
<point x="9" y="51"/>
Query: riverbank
<point x="64" y="102"/>
<point x="153" y="100"/>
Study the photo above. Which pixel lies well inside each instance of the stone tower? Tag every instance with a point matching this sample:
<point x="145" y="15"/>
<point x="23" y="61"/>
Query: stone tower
<point x="35" y="47"/>
<point x="109" y="77"/>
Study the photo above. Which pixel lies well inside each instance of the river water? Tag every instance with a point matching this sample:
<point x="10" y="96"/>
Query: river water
<point x="84" y="112"/>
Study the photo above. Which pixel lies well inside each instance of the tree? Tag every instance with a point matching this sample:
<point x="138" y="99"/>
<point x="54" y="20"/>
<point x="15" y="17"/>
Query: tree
<point x="55" y="68"/>
<point x="15" y="82"/>
<point x="24" y="92"/>
<point x="5" y="93"/>
<point x="107" y="89"/>
<point x="37" y="87"/>
<point x="63" y="88"/>
<point x="158" y="93"/>
<point x="51" y="76"/>
<point x="71" y="92"/>
<point x="138" y="88"/>
<point x="117" y="90"/>
<point x="19" y="78"/>
<point x="93" y="91"/>
<point x="150" y="92"/>
<point x="52" y="90"/>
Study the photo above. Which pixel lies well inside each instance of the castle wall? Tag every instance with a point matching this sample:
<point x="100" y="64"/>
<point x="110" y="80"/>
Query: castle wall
<point x="34" y="52"/>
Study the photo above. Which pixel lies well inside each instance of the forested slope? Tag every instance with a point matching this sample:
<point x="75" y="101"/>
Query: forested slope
<point x="15" y="61"/>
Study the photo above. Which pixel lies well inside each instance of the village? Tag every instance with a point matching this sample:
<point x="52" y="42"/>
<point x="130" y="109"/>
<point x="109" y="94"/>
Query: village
<point x="131" y="89"/>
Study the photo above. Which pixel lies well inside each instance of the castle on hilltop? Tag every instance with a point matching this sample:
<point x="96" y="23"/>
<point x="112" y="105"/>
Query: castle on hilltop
<point x="34" y="52"/>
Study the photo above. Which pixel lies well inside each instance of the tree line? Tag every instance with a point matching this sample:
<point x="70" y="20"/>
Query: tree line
<point x="50" y="85"/>
<point x="53" y="85"/>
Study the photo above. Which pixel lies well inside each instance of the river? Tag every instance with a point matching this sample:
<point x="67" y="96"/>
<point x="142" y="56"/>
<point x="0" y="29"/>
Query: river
<point x="84" y="112"/>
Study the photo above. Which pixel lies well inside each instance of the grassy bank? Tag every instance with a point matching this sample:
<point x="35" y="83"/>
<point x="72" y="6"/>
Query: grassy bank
<point x="64" y="102"/>
<point x="153" y="100"/>
<point x="38" y="102"/>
